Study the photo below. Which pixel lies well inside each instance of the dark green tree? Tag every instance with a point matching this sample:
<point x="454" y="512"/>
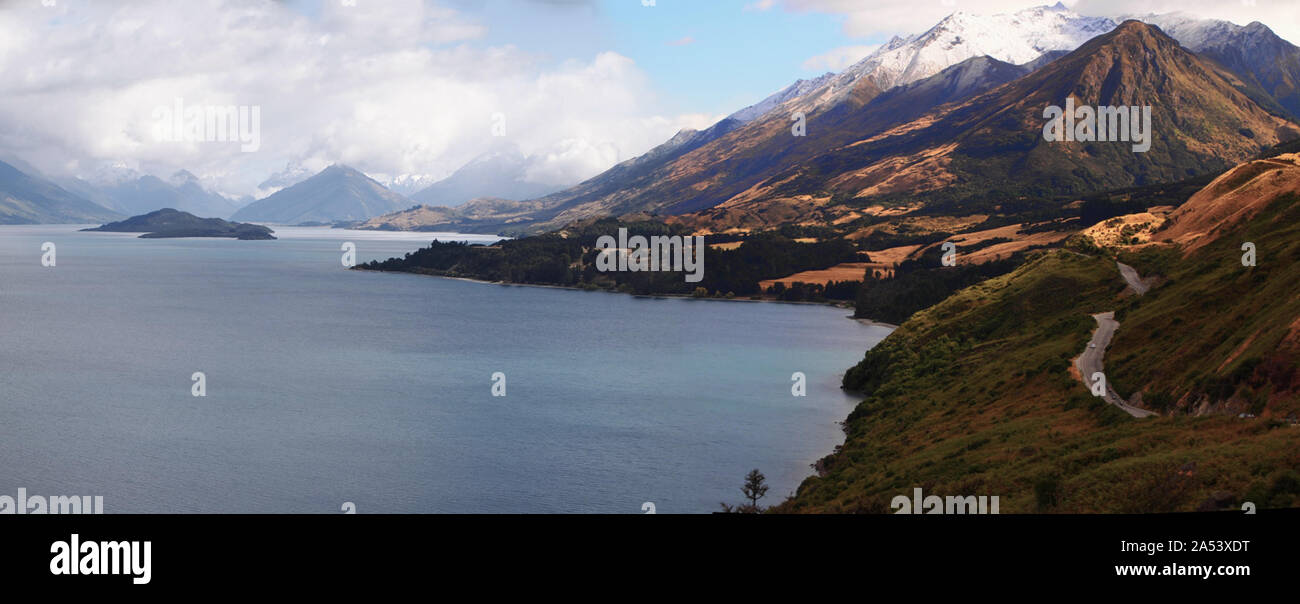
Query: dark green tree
<point x="755" y="487"/>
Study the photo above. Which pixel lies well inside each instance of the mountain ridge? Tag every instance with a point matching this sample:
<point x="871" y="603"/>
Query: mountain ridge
<point x="337" y="193"/>
<point x="698" y="173"/>
<point x="30" y="199"/>
<point x="500" y="173"/>
<point x="973" y="147"/>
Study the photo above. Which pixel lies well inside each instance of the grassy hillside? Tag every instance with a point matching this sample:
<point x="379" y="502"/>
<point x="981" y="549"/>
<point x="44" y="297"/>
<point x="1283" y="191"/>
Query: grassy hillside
<point x="1218" y="336"/>
<point x="974" y="396"/>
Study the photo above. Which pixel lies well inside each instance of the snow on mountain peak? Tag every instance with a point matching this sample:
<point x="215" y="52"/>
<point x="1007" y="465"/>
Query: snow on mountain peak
<point x="792" y="91"/>
<point x="1016" y="38"/>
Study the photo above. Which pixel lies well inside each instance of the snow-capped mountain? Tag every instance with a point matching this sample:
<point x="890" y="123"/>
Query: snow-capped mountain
<point x="501" y="172"/>
<point x="793" y="91"/>
<point x="1262" y="58"/>
<point x="292" y="174"/>
<point x="111" y="175"/>
<point x="1015" y="38"/>
<point x="407" y="184"/>
<point x="1190" y="31"/>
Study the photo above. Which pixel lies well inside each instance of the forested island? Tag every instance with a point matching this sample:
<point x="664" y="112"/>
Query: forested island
<point x="168" y="224"/>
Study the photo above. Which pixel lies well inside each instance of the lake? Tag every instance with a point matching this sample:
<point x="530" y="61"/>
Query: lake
<point x="326" y="386"/>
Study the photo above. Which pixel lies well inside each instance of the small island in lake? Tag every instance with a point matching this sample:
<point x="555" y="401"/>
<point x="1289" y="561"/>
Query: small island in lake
<point x="169" y="224"/>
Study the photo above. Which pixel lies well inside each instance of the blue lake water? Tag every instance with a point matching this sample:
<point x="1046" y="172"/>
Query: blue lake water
<point x="327" y="386"/>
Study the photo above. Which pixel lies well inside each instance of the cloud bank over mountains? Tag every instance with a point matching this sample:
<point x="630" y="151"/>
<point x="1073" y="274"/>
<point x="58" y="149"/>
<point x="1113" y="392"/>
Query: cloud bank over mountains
<point x="890" y="17"/>
<point x="397" y="89"/>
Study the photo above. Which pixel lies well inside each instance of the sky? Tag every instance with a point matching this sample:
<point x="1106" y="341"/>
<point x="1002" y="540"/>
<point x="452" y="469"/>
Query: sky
<point x="413" y="89"/>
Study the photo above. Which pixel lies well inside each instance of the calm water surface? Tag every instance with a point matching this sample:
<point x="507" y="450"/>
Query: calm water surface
<point x="326" y="385"/>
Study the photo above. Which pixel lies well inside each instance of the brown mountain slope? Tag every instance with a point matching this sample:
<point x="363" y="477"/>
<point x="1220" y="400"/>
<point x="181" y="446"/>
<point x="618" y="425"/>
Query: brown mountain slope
<point x="729" y="164"/>
<point x="705" y="174"/>
<point x="1237" y="195"/>
<point x="497" y="213"/>
<point x="992" y="146"/>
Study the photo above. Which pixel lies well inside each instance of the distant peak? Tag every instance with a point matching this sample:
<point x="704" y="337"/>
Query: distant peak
<point x="1132" y="28"/>
<point x="1133" y="25"/>
<point x="1256" y="27"/>
<point x="340" y="169"/>
<point x="183" y="177"/>
<point x="1136" y="37"/>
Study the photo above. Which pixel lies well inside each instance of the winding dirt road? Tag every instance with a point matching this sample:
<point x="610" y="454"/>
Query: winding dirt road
<point x="1090" y="361"/>
<point x="1134" y="280"/>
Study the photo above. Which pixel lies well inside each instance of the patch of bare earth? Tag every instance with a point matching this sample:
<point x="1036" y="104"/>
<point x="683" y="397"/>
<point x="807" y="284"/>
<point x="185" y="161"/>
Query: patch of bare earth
<point x="1000" y="251"/>
<point x="849" y="271"/>
<point x="1128" y="229"/>
<point x="924" y="171"/>
<point x="758" y="213"/>
<point x="893" y="256"/>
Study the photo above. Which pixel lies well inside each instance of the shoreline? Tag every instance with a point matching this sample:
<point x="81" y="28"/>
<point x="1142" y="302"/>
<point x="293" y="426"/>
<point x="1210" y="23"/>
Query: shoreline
<point x="833" y="304"/>
<point x="873" y="323"/>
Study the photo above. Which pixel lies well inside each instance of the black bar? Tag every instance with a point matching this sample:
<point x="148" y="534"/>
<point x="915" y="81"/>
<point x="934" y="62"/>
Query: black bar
<point x="315" y="551"/>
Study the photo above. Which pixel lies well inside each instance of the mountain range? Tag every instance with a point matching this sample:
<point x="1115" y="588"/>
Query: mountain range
<point x="33" y="197"/>
<point x="499" y="173"/>
<point x="1016" y="38"/>
<point x="147" y="193"/>
<point x="926" y="122"/>
<point x="27" y="199"/>
<point x="1269" y="66"/>
<point x="336" y="193"/>
<point x="954" y="112"/>
<point x="991" y="146"/>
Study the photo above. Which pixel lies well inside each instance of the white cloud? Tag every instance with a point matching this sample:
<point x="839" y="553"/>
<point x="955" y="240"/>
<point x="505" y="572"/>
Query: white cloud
<point x="901" y="17"/>
<point x="593" y="154"/>
<point x="760" y="5"/>
<point x="890" y="17"/>
<point x="837" y="59"/>
<point x="394" y="87"/>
